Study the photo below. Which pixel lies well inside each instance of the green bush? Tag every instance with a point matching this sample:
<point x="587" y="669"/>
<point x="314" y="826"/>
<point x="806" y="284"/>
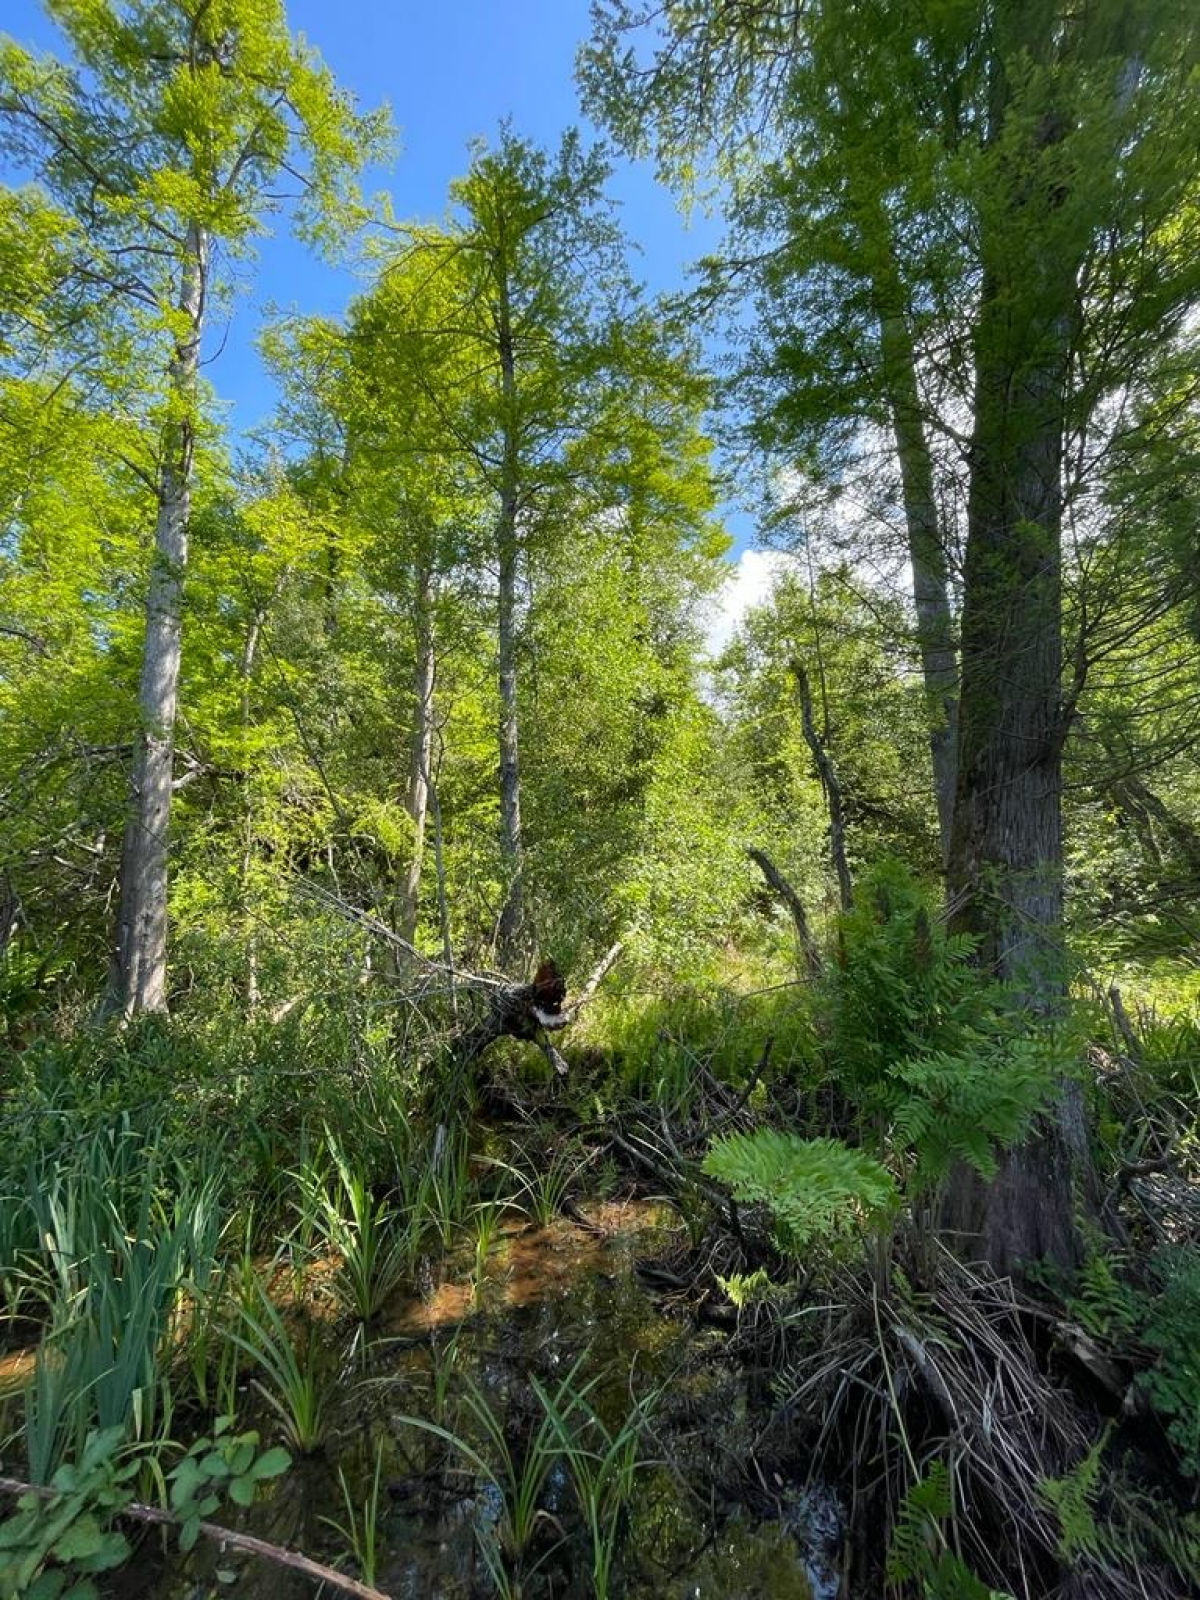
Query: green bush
<point x="1172" y="1328"/>
<point x="818" y="1191"/>
<point x="928" y="1051"/>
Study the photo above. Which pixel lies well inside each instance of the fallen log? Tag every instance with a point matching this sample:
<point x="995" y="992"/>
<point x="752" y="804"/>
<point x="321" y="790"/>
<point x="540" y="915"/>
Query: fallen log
<point x="531" y="1010"/>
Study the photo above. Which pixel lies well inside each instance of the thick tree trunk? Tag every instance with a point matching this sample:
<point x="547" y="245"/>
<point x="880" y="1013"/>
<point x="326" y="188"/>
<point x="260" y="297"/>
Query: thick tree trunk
<point x="1005" y="878"/>
<point x="512" y="913"/>
<point x="927" y="556"/>
<point x="141" y="943"/>
<point x="416" y="799"/>
<point x="1005" y="874"/>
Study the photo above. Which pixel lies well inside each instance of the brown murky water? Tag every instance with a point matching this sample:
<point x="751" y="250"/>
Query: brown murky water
<point x="704" y="1521"/>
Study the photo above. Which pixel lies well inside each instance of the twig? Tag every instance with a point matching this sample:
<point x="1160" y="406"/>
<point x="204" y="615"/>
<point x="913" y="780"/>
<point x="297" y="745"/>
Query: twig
<point x="225" y="1537"/>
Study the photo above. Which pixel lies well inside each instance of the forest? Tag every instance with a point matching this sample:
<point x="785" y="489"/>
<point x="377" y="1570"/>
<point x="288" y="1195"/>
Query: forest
<point x="508" y="1088"/>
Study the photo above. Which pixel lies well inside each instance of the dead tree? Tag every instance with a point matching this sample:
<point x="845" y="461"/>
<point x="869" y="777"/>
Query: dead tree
<point x="791" y="899"/>
<point x="827" y="773"/>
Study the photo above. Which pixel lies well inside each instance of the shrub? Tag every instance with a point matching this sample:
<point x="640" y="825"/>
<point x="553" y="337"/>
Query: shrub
<point x="818" y="1191"/>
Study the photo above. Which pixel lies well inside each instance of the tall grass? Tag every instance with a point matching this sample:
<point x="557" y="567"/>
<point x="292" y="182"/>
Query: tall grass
<point x="295" y="1388"/>
<point x="375" y="1242"/>
<point x="517" y="1475"/>
<point x="117" y="1254"/>
<point x="603" y="1465"/>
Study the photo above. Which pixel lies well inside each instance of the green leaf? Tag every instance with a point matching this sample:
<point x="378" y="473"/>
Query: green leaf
<point x="82" y="1539"/>
<point x="46" y="1586"/>
<point x="188" y="1479"/>
<point x="271" y="1464"/>
<point x="241" y="1491"/>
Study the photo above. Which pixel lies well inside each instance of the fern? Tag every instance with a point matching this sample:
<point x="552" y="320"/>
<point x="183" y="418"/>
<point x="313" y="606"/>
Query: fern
<point x="818" y="1191"/>
<point x="918" y="1551"/>
<point x="947" y="1108"/>
<point x="1072" y="1499"/>
<point x="922" y="1511"/>
<point x="922" y="1042"/>
<point x="1172" y="1327"/>
<point x="1106" y="1304"/>
<point x="749" y="1289"/>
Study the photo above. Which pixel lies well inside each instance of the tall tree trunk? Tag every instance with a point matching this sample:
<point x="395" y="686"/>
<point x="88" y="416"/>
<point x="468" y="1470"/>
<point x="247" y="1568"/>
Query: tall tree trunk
<point x="249" y="656"/>
<point x="416" y="799"/>
<point x="512" y="914"/>
<point x="1005" y="878"/>
<point x="141" y="943"/>
<point x="926" y="550"/>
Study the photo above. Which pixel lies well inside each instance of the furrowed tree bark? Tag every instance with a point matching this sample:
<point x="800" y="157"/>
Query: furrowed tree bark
<point x="141" y="943"/>
<point x="926" y="553"/>
<point x="416" y="800"/>
<point x="512" y="913"/>
<point x="1005" y="878"/>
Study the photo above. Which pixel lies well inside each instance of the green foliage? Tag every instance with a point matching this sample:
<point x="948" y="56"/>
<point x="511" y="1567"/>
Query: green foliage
<point x="969" y="1105"/>
<point x="749" y="1289"/>
<point x="925" y="1507"/>
<point x="297" y="1386"/>
<point x="603" y="1463"/>
<point x="50" y="1546"/>
<point x="375" y="1244"/>
<point x="120" y="1257"/>
<point x="1172" y="1328"/>
<point x="1105" y="1302"/>
<point x="918" y="1550"/>
<point x="54" y="1543"/>
<point x="924" y="1045"/>
<point x="1073" y="1498"/>
<point x="226" y="1465"/>
<point x="361" y="1527"/>
<point x="817" y="1191"/>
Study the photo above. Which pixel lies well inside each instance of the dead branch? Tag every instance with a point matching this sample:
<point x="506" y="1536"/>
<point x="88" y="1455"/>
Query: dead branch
<point x="528" y="1010"/>
<point x="791" y="899"/>
<point x="827" y="773"/>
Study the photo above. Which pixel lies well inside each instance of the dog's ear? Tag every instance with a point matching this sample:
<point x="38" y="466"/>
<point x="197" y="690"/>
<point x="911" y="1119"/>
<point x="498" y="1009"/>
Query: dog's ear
<point x="549" y="986"/>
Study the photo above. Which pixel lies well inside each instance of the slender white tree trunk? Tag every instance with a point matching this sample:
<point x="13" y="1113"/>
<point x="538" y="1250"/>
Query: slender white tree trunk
<point x="141" y="944"/>
<point x="416" y="800"/>
<point x="507" y="548"/>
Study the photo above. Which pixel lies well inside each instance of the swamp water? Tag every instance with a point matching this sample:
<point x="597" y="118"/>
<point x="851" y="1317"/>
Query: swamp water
<point x="704" y="1521"/>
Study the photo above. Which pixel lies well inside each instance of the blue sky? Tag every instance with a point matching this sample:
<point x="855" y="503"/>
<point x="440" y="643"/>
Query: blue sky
<point x="450" y="72"/>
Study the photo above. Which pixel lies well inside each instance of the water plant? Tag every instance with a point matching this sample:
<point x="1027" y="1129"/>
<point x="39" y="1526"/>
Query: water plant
<point x="603" y="1465"/>
<point x="361" y="1527"/>
<point x="544" y="1180"/>
<point x="111" y="1286"/>
<point x="518" y="1476"/>
<point x="295" y="1387"/>
<point x="375" y="1244"/>
<point x="487" y="1221"/>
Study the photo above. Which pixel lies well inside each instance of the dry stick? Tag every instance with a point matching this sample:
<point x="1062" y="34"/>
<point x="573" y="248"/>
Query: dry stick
<point x="830" y="784"/>
<point x="791" y="899"/>
<point x="223" y="1536"/>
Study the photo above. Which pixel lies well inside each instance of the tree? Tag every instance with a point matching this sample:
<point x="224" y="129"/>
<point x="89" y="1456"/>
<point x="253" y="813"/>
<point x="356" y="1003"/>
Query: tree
<point x="160" y="144"/>
<point x="1059" y="150"/>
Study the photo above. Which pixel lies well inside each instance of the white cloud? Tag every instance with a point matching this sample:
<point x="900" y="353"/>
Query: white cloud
<point x="750" y="581"/>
